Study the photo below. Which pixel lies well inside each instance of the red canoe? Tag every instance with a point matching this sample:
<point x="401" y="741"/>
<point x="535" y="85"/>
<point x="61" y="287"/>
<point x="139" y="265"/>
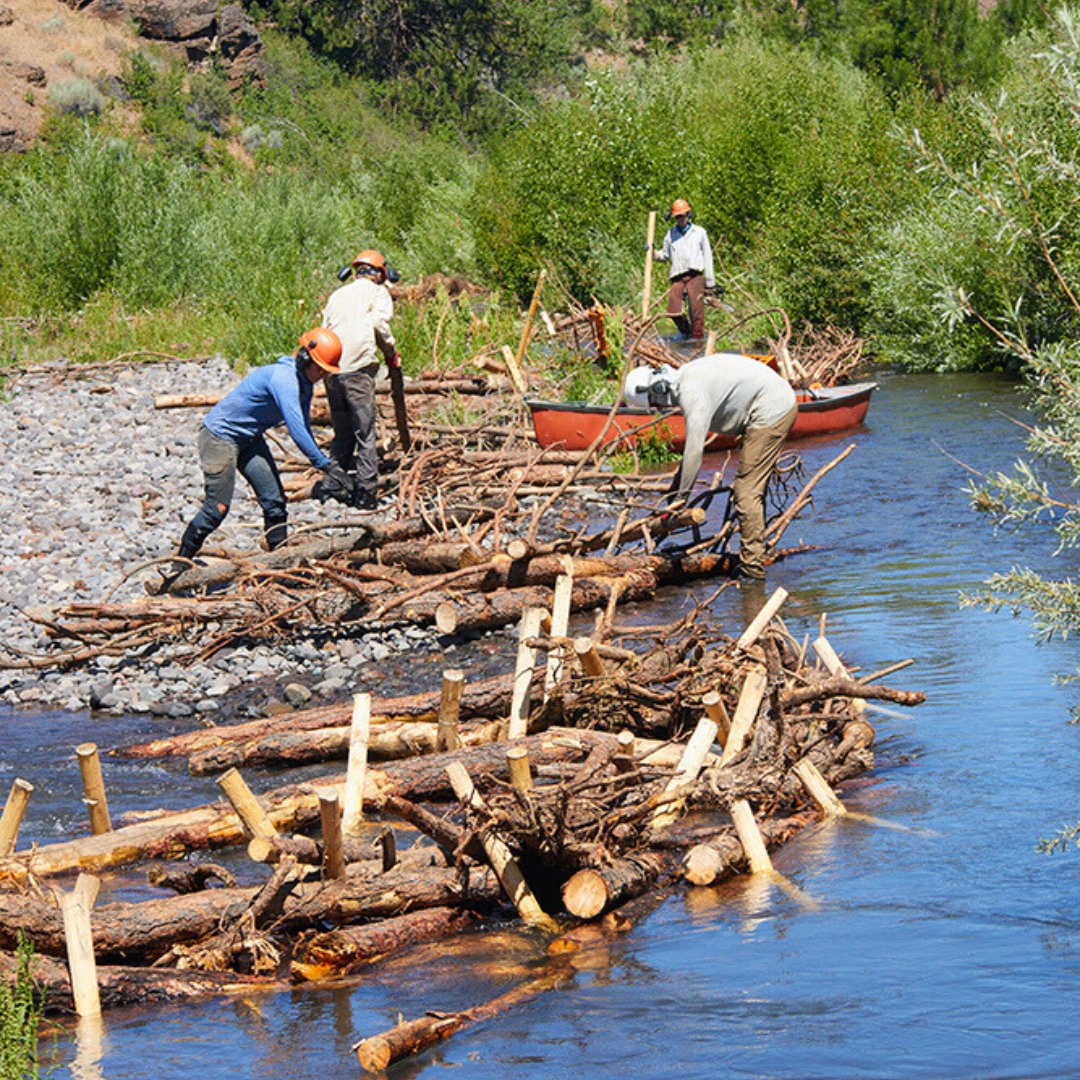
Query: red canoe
<point x="575" y="426"/>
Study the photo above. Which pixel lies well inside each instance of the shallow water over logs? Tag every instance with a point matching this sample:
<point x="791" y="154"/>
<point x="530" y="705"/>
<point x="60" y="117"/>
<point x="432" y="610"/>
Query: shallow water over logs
<point x="951" y="949"/>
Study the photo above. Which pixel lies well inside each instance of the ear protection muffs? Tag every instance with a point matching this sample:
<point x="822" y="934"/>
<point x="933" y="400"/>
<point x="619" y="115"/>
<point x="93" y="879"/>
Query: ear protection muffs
<point x="660" y="394"/>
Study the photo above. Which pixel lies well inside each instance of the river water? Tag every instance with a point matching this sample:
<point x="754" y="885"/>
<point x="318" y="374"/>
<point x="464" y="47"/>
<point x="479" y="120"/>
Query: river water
<point x="949" y="949"/>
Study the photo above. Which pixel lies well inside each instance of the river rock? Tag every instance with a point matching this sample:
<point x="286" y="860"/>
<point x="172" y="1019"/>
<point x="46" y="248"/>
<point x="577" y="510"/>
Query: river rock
<point x="297" y="695"/>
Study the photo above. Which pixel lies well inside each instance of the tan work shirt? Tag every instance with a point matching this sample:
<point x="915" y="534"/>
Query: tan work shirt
<point x="359" y="313"/>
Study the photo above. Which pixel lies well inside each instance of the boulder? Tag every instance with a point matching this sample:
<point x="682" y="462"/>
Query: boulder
<point x="180" y="21"/>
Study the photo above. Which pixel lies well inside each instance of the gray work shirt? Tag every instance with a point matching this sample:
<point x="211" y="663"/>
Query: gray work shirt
<point x="729" y="394"/>
<point x="688" y="251"/>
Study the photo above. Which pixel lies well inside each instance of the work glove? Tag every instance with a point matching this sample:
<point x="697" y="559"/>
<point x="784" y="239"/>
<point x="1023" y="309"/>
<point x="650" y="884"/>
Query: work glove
<point x="335" y="484"/>
<point x="395" y="360"/>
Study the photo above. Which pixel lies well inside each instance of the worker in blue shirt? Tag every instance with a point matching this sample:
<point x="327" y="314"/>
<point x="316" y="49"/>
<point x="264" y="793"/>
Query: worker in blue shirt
<point x="231" y="439"/>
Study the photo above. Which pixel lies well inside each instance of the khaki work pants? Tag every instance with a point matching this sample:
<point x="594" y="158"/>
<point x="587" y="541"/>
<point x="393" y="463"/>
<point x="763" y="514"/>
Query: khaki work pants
<point x="758" y="454"/>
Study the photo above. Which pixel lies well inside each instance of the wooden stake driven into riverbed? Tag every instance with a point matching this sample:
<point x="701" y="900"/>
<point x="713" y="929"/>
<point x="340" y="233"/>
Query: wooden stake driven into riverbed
<point x="353" y="810"/>
<point x="93" y="788"/>
<point x="12" y="817"/>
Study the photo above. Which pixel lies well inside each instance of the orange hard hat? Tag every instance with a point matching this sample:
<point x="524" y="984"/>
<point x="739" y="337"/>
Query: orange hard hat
<point x="324" y="347"/>
<point x="680" y="206"/>
<point x="372" y="258"/>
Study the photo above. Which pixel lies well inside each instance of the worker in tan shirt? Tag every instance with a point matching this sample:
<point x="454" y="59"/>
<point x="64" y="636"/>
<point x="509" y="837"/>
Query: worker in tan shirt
<point x="729" y="394"/>
<point x="359" y="313"/>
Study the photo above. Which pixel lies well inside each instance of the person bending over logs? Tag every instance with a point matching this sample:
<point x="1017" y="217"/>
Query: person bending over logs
<point x="231" y="439"/>
<point x="728" y="394"/>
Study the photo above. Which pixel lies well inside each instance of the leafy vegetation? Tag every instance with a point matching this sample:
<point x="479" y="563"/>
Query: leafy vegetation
<point x="20" y="1017"/>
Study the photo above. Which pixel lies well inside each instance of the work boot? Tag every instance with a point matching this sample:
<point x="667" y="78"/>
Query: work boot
<point x="364" y="499"/>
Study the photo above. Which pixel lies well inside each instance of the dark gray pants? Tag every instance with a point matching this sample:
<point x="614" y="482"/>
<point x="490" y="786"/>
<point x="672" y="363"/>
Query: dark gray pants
<point x="221" y="459"/>
<point x="352" y="412"/>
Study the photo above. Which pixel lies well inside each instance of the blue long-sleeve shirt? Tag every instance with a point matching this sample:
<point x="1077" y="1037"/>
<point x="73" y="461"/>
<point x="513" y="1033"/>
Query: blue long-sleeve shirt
<point x="270" y="395"/>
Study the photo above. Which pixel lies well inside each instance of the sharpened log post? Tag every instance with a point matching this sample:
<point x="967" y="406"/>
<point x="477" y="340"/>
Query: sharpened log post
<point x="87" y="886"/>
<point x="93" y="788"/>
<point x="650" y="238"/>
<point x="502" y="861"/>
<point x="591" y="661"/>
<point x="517" y="757"/>
<point x="514" y="370"/>
<point x="762" y="619"/>
<point x="753" y="690"/>
<point x="526" y="330"/>
<point x="834" y="665"/>
<point x="446" y="735"/>
<point x="690" y="766"/>
<point x="387" y="842"/>
<point x="12" y="817"/>
<point x="353" y="812"/>
<point x="523" y="673"/>
<point x="560" y="621"/>
<point x="517" y="549"/>
<point x="624" y="756"/>
<point x="75" y="909"/>
<point x="750" y="837"/>
<point x="713" y="703"/>
<point x="333" y="847"/>
<point x="818" y="788"/>
<point x="248" y="809"/>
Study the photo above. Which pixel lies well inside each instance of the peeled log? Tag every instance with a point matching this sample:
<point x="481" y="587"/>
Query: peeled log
<point x="591" y="892"/>
<point x="391" y="741"/>
<point x="338" y="952"/>
<point x="723" y="854"/>
<point x="120" y="986"/>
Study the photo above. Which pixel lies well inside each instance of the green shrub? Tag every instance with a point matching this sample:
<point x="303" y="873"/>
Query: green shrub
<point x="785" y="158"/>
<point x="76" y="96"/>
<point x="20" y="1017"/>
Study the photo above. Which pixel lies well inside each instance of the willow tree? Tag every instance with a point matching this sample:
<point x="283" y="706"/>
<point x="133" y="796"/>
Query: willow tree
<point x="1027" y="182"/>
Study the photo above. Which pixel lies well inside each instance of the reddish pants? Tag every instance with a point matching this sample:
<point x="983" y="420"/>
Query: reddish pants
<point x="691" y="287"/>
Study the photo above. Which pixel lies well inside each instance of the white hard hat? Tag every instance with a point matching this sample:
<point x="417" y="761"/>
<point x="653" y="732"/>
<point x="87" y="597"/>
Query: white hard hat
<point x="636" y="390"/>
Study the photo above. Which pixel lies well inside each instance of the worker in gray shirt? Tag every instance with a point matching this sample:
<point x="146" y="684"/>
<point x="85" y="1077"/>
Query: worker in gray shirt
<point x="686" y="248"/>
<point x="729" y="394"/>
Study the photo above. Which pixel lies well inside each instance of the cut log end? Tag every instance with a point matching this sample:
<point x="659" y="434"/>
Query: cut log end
<point x="585" y="894"/>
<point x="446" y="619"/>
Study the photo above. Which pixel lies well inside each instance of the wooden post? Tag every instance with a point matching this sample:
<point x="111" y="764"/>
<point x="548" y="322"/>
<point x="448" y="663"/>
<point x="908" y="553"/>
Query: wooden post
<point x="87" y="886"/>
<point x="93" y="788"/>
<point x="834" y="665"/>
<point x="446" y="734"/>
<point x="560" y="621"/>
<point x="750" y="837"/>
<point x="713" y="704"/>
<point x="650" y="239"/>
<point x="333" y="848"/>
<point x="353" y="812"/>
<point x="753" y="691"/>
<point x="499" y="856"/>
<point x="517" y="757"/>
<point x="12" y="817"/>
<point x="523" y="673"/>
<point x="591" y="661"/>
<point x="526" y="330"/>
<point x="690" y="764"/>
<point x="75" y="908"/>
<point x="710" y="343"/>
<point x="248" y="809"/>
<point x="515" y="371"/>
<point x="819" y="789"/>
<point x="762" y="619"/>
<point x="388" y="842"/>
<point x="624" y="757"/>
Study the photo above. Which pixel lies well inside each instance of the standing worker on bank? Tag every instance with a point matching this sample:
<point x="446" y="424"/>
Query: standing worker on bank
<point x="359" y="312"/>
<point x="728" y="394"/>
<point x="686" y="247"/>
<point x="231" y="438"/>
